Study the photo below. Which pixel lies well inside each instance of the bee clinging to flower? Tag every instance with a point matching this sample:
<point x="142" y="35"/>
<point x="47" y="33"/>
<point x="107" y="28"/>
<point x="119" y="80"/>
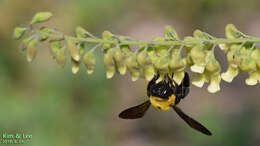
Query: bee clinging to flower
<point x="164" y="95"/>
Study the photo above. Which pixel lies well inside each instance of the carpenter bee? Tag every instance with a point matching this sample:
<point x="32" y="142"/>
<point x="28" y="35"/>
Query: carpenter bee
<point x="162" y="96"/>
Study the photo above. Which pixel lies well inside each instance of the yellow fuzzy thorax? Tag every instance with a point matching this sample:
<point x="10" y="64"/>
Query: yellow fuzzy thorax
<point x="162" y="104"/>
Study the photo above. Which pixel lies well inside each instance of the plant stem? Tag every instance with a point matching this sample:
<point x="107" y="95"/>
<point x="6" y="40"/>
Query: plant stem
<point x="214" y="41"/>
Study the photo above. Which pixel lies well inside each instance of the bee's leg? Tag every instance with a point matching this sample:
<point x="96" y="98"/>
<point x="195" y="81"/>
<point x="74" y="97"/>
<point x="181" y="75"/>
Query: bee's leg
<point x="172" y="83"/>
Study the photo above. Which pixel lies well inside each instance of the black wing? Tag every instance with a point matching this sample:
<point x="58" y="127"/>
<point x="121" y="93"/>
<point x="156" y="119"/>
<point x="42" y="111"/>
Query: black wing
<point x="191" y="122"/>
<point x="136" y="111"/>
<point x="183" y="89"/>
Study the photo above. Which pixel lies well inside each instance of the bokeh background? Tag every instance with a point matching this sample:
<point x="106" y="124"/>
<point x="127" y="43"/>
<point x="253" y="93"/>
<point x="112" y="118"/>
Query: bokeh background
<point x="61" y="109"/>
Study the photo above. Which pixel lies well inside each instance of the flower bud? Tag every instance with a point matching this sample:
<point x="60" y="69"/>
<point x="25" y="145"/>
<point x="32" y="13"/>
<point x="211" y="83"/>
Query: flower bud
<point x="89" y="61"/>
<point x="61" y="56"/>
<point x="143" y="59"/>
<point x="25" y="43"/>
<point x="107" y="36"/>
<point x="232" y="32"/>
<point x="214" y="85"/>
<point x="198" y="57"/>
<point x="201" y="35"/>
<point x="253" y="78"/>
<point x="31" y="49"/>
<point x="162" y="64"/>
<point x="178" y="76"/>
<point x="212" y="64"/>
<point x="75" y="66"/>
<point x="170" y="33"/>
<point x="255" y="54"/>
<point x="230" y="56"/>
<point x="120" y="61"/>
<point x="188" y="60"/>
<point x="233" y="56"/>
<point x="74" y="51"/>
<point x="55" y="45"/>
<point x="134" y="75"/>
<point x="199" y="80"/>
<point x="126" y="50"/>
<point x="247" y="64"/>
<point x="132" y="66"/>
<point x="81" y="32"/>
<point x="176" y="61"/>
<point x="45" y="33"/>
<point x="190" y="45"/>
<point x="109" y="63"/>
<point x="149" y="72"/>
<point x="161" y="77"/>
<point x="41" y="17"/>
<point x="19" y="32"/>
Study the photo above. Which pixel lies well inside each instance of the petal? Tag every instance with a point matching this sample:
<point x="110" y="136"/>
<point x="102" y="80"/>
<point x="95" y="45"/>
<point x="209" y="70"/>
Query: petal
<point x="231" y="73"/>
<point x="199" y="80"/>
<point x="197" y="68"/>
<point x="214" y="85"/>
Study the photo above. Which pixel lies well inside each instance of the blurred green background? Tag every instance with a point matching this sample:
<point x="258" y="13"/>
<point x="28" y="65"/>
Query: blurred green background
<point x="59" y="108"/>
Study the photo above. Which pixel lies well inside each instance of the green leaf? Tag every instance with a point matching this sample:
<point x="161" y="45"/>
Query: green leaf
<point x="41" y="17"/>
<point x="19" y="32"/>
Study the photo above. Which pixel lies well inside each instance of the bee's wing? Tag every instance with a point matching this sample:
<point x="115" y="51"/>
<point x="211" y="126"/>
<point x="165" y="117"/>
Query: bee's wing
<point x="191" y="122"/>
<point x="136" y="111"/>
